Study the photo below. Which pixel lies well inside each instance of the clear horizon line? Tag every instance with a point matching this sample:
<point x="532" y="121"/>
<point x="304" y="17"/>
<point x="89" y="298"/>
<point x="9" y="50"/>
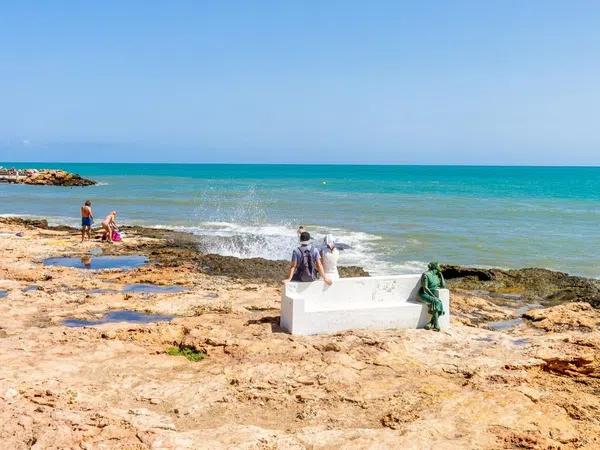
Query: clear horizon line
<point x="311" y="164"/>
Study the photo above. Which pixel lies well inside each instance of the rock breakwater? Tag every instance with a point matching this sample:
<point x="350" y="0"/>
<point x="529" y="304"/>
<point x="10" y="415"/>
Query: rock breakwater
<point x="43" y="177"/>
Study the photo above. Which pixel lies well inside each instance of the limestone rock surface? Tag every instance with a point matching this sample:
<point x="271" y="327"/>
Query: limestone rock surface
<point x="115" y="385"/>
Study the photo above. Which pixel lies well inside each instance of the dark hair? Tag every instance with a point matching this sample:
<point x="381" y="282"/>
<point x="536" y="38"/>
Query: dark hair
<point x="305" y="236"/>
<point x="88" y="203"/>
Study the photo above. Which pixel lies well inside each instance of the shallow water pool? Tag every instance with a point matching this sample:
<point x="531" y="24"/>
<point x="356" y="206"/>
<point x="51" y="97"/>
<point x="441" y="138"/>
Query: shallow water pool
<point x="103" y="291"/>
<point x="146" y="288"/>
<point x="98" y="262"/>
<point x="119" y="316"/>
<point x="505" y="324"/>
<point x="32" y="288"/>
<point x="3" y="293"/>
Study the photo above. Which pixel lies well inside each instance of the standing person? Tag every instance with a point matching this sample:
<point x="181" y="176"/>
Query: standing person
<point x="306" y="262"/>
<point x="330" y="255"/>
<point x="109" y="225"/>
<point x="87" y="219"/>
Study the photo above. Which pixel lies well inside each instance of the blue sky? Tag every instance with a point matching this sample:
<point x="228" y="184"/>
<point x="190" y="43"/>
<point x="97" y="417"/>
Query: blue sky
<point x="459" y="82"/>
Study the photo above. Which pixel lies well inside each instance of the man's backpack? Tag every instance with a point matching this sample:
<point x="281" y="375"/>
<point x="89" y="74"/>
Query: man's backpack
<point x="306" y="270"/>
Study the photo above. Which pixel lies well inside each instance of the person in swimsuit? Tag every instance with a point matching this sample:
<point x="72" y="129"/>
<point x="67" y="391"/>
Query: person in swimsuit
<point x="109" y="225"/>
<point x="87" y="219"/>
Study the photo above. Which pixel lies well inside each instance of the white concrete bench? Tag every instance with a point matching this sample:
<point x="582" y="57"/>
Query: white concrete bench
<point x="375" y="303"/>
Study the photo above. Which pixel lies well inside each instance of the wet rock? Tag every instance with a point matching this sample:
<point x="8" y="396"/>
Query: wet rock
<point x="27" y="223"/>
<point x="452" y="272"/>
<point x="541" y="285"/>
<point x="258" y="269"/>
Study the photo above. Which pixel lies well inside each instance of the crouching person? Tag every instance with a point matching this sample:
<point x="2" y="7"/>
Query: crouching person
<point x="431" y="282"/>
<point x="306" y="262"/>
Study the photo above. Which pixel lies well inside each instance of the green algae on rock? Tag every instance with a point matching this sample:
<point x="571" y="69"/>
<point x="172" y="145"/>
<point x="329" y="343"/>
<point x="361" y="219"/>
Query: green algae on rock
<point x="191" y="354"/>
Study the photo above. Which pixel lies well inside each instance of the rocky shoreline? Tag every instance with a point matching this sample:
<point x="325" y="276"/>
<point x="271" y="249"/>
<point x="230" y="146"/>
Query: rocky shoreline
<point x="44" y="177"/>
<point x="515" y="369"/>
<point x="543" y="286"/>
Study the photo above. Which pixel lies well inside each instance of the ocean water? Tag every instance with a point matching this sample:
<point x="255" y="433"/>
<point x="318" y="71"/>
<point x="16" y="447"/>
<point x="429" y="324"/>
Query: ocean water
<point x="395" y="218"/>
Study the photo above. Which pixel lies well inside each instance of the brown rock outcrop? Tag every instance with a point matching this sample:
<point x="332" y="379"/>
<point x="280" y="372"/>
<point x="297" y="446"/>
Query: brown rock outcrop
<point x="57" y="178"/>
<point x="47" y="177"/>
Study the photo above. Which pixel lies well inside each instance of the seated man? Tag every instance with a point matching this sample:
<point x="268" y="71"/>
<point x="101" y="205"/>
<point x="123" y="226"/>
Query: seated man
<point x="431" y="282"/>
<point x="306" y="262"/>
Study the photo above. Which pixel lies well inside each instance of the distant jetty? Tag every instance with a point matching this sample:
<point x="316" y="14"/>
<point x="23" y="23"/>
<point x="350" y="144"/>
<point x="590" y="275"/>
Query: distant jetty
<point x="43" y="177"/>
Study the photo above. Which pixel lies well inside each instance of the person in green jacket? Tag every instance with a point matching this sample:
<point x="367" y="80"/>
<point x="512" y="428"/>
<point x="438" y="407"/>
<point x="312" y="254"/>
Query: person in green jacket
<point x="431" y="282"/>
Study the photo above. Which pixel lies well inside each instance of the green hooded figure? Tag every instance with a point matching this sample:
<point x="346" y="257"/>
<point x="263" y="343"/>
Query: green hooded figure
<point x="431" y="282"/>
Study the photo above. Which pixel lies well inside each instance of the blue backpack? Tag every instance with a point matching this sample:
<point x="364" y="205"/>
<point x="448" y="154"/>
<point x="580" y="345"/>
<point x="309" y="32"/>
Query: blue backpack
<point x="306" y="270"/>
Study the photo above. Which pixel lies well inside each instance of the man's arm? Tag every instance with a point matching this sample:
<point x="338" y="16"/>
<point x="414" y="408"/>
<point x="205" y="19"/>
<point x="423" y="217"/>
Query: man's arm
<point x="293" y="266"/>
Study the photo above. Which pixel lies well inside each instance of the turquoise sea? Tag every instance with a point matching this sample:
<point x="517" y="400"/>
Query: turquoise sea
<point x="396" y="218"/>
